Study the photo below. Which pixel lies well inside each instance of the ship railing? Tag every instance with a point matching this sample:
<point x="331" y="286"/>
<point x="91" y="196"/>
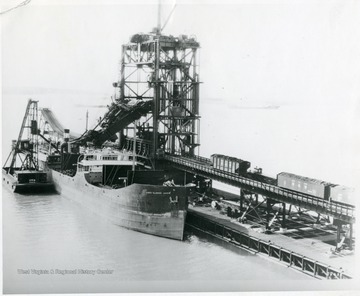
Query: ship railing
<point x="267" y="189"/>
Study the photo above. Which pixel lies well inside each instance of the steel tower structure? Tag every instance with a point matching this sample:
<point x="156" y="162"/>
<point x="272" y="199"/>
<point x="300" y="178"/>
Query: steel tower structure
<point x="29" y="147"/>
<point x="163" y="69"/>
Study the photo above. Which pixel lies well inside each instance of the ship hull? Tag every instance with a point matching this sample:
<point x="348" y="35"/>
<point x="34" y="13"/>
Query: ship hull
<point x="151" y="209"/>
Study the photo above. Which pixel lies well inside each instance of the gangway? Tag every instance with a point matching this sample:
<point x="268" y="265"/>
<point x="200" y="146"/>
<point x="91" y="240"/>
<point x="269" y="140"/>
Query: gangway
<point x="342" y="212"/>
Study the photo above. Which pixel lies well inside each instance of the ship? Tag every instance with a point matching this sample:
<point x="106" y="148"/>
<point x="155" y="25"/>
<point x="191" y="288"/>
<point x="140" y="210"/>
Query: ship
<point x="114" y="184"/>
<point x="114" y="181"/>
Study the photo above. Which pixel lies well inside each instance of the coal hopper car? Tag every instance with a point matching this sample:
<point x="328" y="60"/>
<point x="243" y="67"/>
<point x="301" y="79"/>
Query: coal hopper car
<point x="229" y="164"/>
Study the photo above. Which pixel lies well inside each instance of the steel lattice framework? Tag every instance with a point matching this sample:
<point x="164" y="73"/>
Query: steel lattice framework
<point x="27" y="148"/>
<point x="163" y="69"/>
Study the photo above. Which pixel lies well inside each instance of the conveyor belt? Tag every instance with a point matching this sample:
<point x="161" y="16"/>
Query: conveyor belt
<point x="345" y="213"/>
<point x="52" y="121"/>
<point x="117" y="118"/>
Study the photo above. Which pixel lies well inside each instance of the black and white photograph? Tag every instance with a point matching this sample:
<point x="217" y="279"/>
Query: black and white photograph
<point x="177" y="146"/>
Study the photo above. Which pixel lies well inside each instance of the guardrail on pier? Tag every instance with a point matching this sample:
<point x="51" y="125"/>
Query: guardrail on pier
<point x="338" y="211"/>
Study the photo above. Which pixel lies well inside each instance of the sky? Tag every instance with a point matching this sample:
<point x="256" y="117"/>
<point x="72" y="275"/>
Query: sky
<point x="254" y="53"/>
<point x="280" y="51"/>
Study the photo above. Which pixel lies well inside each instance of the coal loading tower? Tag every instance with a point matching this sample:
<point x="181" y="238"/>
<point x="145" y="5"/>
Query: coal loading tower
<point x="162" y="72"/>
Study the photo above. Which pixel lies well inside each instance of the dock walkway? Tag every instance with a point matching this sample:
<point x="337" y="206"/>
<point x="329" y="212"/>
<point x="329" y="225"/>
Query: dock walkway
<point x="313" y="249"/>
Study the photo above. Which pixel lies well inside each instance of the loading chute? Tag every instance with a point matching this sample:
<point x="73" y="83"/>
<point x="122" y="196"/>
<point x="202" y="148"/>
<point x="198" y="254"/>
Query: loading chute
<point x="50" y="118"/>
<point x="119" y="116"/>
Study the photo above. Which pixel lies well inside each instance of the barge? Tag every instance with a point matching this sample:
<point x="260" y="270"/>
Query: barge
<point x="26" y="181"/>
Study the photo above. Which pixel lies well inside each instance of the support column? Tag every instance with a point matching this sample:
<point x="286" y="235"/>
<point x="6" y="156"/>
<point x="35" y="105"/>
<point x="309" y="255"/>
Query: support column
<point x="242" y="198"/>
<point x="351" y="235"/>
<point x="283" y="224"/>
<point x="338" y="233"/>
<point x="289" y="212"/>
<point x="256" y="199"/>
<point x="268" y="210"/>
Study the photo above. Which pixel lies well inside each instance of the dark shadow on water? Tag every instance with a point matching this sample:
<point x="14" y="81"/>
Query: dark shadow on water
<point x="40" y="194"/>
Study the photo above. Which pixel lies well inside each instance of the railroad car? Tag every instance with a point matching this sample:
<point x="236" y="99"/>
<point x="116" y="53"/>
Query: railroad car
<point x="343" y="194"/>
<point x="318" y="188"/>
<point x="305" y="185"/>
<point x="229" y="164"/>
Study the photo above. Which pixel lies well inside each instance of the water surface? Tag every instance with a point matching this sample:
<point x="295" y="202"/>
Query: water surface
<point x="52" y="233"/>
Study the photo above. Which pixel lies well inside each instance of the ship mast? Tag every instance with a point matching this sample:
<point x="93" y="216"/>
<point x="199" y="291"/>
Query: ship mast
<point x="87" y="120"/>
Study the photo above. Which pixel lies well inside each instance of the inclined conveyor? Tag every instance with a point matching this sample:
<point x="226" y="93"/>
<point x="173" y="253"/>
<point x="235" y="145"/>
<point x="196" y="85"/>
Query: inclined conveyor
<point x="55" y="124"/>
<point x="118" y="117"/>
<point x="50" y="118"/>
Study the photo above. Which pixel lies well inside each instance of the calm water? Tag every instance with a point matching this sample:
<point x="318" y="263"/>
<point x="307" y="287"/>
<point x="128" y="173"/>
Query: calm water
<point x="50" y="232"/>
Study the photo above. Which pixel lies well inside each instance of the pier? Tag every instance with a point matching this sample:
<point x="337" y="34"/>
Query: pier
<point x="313" y="261"/>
